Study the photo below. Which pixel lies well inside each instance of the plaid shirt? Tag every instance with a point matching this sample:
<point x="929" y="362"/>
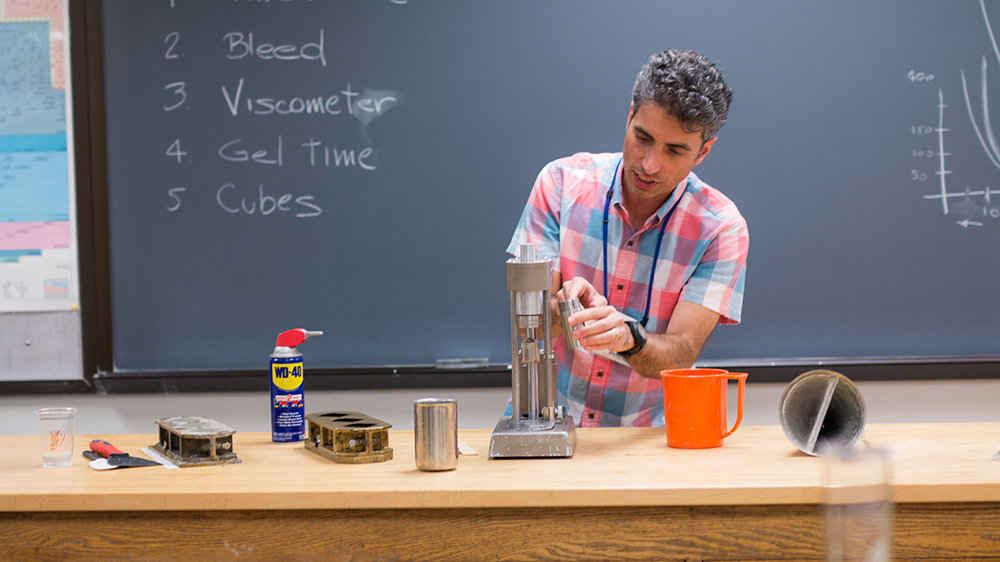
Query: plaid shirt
<point x="702" y="260"/>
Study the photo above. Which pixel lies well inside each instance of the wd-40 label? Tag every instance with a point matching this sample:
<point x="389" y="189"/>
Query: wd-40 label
<point x="288" y="405"/>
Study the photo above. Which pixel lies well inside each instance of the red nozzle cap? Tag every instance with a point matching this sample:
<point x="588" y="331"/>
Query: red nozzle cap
<point x="292" y="338"/>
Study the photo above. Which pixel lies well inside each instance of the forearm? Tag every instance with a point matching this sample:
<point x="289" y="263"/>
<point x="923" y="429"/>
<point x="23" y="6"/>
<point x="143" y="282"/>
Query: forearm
<point x="601" y="327"/>
<point x="664" y="351"/>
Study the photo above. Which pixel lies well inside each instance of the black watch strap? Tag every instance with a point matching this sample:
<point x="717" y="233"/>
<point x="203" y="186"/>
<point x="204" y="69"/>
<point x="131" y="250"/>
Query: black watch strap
<point x="638" y="337"/>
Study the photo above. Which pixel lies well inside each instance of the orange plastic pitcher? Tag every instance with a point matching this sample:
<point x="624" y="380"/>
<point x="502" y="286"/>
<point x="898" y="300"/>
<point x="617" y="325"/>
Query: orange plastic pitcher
<point x="694" y="406"/>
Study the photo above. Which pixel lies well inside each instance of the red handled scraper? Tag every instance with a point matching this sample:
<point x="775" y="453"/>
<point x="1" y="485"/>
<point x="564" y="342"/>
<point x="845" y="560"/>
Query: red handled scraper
<point x="116" y="458"/>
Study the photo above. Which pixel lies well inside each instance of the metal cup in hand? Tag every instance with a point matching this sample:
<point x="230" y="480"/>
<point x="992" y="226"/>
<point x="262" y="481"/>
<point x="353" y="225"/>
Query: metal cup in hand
<point x="567" y="309"/>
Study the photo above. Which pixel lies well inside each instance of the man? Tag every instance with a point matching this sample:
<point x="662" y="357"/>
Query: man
<point x="656" y="256"/>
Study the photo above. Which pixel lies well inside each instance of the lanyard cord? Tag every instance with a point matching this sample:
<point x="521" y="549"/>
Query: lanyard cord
<point x="656" y="254"/>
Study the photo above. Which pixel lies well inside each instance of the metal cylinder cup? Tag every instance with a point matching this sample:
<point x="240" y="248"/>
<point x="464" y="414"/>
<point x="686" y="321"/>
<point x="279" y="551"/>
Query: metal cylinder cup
<point x="694" y="406"/>
<point x="567" y="309"/>
<point x="435" y="434"/>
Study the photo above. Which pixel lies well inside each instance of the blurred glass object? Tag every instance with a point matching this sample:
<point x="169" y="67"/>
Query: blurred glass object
<point x="858" y="505"/>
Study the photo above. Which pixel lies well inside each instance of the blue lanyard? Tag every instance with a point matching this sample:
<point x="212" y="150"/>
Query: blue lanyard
<point x="656" y="254"/>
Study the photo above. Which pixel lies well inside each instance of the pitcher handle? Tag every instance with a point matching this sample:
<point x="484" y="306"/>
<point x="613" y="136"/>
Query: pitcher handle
<point x="742" y="378"/>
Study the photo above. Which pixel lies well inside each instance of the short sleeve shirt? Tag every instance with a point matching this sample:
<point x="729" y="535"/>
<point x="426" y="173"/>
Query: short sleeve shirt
<point x="702" y="259"/>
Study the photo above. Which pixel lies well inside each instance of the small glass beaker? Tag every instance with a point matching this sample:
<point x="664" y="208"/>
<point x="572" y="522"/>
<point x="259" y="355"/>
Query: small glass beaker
<point x="55" y="429"/>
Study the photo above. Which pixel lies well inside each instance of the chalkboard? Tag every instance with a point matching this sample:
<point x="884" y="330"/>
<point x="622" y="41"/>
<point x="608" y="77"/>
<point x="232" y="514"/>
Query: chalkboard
<point x="358" y="167"/>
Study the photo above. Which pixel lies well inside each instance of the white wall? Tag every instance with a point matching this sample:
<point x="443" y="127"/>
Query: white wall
<point x="886" y="402"/>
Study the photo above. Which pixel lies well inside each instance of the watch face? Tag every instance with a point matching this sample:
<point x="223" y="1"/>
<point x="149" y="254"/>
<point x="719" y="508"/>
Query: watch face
<point x="641" y="329"/>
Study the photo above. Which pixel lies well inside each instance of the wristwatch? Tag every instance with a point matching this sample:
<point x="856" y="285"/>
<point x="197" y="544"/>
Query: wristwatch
<point x="638" y="336"/>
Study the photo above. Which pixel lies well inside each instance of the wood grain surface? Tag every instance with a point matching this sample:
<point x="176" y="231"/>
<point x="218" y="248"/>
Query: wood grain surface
<point x="787" y="532"/>
<point x="612" y="467"/>
<point x="624" y="496"/>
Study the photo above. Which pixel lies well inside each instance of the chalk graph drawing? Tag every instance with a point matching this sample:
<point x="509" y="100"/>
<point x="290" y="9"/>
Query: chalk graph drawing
<point x="967" y="206"/>
<point x="992" y="150"/>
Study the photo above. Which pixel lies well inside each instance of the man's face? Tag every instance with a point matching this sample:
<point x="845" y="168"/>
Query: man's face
<point x="657" y="154"/>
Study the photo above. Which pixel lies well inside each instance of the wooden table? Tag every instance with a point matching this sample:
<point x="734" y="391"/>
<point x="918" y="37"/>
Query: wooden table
<point x="624" y="496"/>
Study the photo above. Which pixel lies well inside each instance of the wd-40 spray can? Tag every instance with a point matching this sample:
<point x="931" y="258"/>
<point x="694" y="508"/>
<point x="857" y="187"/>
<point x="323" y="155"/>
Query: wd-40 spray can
<point x="288" y="399"/>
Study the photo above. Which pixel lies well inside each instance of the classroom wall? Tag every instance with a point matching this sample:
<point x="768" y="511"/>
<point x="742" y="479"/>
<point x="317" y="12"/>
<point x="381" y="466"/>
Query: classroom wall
<point x="887" y="402"/>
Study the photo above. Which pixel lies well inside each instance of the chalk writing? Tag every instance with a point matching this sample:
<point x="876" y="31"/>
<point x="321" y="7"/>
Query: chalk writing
<point x="179" y="90"/>
<point x="175" y="150"/>
<point x="241" y="46"/>
<point x="230" y="152"/>
<point x="365" y="106"/>
<point x="175" y="194"/>
<point x="967" y="202"/>
<point x="254" y="96"/>
<point x="319" y="153"/>
<point x="268" y="204"/>
<point x="914" y="76"/>
<point x="172" y="38"/>
<point x="993" y="150"/>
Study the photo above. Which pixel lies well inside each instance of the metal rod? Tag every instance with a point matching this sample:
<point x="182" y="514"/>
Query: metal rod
<point x="530" y="356"/>
<point x="532" y="391"/>
<point x="548" y="376"/>
<point x="515" y="364"/>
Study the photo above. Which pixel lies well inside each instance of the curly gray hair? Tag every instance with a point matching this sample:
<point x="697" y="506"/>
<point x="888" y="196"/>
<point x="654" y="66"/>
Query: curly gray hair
<point x="688" y="86"/>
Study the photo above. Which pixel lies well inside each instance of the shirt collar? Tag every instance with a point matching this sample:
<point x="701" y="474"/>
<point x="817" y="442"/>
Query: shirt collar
<point x="675" y="195"/>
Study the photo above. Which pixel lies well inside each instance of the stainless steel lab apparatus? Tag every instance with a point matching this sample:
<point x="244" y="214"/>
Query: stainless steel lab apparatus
<point x="537" y="426"/>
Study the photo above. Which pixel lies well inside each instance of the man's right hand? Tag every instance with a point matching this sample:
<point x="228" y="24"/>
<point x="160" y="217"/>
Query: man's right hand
<point x="598" y="326"/>
<point x="577" y="287"/>
<point x="580" y="288"/>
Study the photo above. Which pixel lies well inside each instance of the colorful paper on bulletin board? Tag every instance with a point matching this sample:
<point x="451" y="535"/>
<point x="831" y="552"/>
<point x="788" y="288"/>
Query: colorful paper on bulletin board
<point x="38" y="257"/>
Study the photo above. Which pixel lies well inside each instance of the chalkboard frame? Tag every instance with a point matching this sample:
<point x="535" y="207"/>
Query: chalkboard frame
<point x="101" y="377"/>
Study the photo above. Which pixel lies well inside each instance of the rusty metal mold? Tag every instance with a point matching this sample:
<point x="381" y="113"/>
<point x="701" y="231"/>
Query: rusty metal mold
<point x="195" y="441"/>
<point x="348" y="437"/>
